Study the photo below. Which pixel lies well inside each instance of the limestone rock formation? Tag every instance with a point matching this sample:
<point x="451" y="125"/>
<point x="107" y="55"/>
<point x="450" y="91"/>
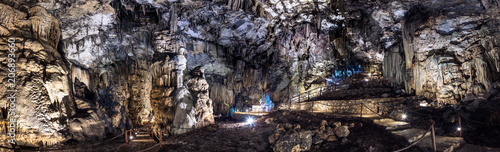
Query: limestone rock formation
<point x="448" y="57"/>
<point x="199" y="87"/>
<point x="194" y="107"/>
<point x="108" y="65"/>
<point x="43" y="97"/>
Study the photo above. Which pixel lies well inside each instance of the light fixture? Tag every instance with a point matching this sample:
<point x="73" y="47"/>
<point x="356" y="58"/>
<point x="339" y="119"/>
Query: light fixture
<point x="423" y="104"/>
<point x="135" y="133"/>
<point x="459" y="129"/>
<point x="369" y="74"/>
<point x="250" y="120"/>
<point x="131" y="137"/>
<point x="404" y="116"/>
<point x="366" y="80"/>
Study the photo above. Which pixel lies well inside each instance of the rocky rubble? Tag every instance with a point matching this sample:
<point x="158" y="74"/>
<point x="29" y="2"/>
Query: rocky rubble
<point x="288" y="137"/>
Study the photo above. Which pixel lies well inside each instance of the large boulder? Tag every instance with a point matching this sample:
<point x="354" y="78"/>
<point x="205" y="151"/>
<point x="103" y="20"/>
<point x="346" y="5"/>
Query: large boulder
<point x="342" y="131"/>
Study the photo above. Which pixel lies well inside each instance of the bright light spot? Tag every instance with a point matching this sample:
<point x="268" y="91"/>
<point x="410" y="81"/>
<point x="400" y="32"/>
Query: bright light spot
<point x="459" y="129"/>
<point x="404" y="116"/>
<point x="135" y="133"/>
<point x="131" y="137"/>
<point x="423" y="104"/>
<point x="366" y="80"/>
<point x="370" y="74"/>
<point x="250" y="120"/>
<point x="337" y="83"/>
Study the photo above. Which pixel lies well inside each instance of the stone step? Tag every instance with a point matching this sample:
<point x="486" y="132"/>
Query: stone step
<point x="142" y="135"/>
<point x="391" y="124"/>
<point x="412" y="134"/>
<point x="143" y="140"/>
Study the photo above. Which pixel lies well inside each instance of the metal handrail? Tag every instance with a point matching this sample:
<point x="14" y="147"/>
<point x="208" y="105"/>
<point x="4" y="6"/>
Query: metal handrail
<point x="312" y="91"/>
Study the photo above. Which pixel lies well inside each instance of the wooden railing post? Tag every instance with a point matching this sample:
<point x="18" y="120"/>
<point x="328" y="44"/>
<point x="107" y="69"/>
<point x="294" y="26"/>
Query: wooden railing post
<point x="433" y="136"/>
<point x="290" y="102"/>
<point x="361" y="113"/>
<point x="308" y="96"/>
<point x="320" y="91"/>
<point x="126" y="137"/>
<point x="161" y="137"/>
<point x="312" y="107"/>
<point x="378" y="108"/>
<point x="299" y="97"/>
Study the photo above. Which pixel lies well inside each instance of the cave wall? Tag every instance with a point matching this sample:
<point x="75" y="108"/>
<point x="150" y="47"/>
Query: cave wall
<point x="447" y="55"/>
<point x="236" y="46"/>
<point x="42" y="102"/>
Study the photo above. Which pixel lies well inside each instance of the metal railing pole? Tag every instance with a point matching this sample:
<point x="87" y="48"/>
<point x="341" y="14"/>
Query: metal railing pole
<point x="433" y="137"/>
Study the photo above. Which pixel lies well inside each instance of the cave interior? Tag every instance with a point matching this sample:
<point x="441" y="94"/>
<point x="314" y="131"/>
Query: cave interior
<point x="250" y="75"/>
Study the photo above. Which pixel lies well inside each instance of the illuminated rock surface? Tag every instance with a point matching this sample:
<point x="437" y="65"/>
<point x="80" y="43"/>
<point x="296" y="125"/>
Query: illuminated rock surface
<point x="86" y="69"/>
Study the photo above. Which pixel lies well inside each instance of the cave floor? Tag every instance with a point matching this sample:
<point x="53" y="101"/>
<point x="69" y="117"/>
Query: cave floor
<point x="236" y="135"/>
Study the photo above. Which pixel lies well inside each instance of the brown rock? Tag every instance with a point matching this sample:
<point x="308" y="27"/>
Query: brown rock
<point x="342" y="131"/>
<point x="331" y="138"/>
